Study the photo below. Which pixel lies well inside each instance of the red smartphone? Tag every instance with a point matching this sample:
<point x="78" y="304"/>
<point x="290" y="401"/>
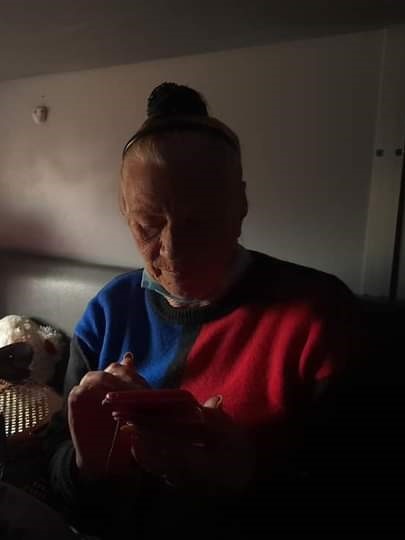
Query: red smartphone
<point x="176" y="406"/>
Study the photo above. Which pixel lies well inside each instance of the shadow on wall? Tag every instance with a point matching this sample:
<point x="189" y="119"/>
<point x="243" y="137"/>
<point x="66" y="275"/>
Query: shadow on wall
<point x="25" y="232"/>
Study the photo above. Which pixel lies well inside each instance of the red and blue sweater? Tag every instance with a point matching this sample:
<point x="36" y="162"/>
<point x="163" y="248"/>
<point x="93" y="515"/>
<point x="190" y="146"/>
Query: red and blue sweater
<point x="270" y="347"/>
<point x="280" y="331"/>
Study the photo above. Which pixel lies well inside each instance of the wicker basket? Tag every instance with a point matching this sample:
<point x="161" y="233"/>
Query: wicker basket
<point x="26" y="408"/>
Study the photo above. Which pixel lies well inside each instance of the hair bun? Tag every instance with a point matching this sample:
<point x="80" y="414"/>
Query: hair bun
<point x="171" y="99"/>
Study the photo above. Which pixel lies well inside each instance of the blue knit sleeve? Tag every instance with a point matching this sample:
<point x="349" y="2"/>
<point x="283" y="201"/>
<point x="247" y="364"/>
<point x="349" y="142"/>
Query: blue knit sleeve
<point x="90" y="330"/>
<point x="102" y="330"/>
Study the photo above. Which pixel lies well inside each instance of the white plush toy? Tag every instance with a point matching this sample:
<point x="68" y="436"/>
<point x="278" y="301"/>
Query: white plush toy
<point x="47" y="344"/>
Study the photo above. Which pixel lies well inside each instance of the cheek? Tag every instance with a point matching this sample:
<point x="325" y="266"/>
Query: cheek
<point x="149" y="250"/>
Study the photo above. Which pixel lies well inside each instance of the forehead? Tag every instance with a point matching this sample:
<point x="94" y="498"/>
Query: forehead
<point x="189" y="170"/>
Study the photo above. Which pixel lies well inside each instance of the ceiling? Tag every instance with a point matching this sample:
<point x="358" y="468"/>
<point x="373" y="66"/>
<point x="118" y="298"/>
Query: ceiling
<point x="48" y="36"/>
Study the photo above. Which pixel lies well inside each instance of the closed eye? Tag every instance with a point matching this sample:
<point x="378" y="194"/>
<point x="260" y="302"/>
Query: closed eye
<point x="148" y="232"/>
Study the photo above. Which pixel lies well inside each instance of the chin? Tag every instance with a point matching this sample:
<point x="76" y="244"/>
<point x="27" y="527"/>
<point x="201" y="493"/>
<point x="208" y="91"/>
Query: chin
<point x="190" y="291"/>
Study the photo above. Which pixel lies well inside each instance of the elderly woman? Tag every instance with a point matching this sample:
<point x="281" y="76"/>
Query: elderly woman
<point x="256" y="340"/>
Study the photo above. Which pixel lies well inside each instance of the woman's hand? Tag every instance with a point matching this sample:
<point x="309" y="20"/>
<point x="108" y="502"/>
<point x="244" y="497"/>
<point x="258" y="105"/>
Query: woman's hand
<point x="92" y="427"/>
<point x="218" y="461"/>
<point x="221" y="464"/>
<point x="126" y="372"/>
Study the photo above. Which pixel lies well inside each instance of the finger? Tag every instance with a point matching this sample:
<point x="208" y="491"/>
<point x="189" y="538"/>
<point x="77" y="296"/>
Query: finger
<point x="127" y="363"/>
<point x="126" y="371"/>
<point x="214" y="402"/>
<point x="96" y="378"/>
<point x="92" y="378"/>
<point x="128" y="360"/>
<point x="108" y="382"/>
<point x="82" y="393"/>
<point x="112" y="367"/>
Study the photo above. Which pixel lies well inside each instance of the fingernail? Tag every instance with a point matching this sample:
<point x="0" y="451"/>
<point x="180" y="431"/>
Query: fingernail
<point x="128" y="357"/>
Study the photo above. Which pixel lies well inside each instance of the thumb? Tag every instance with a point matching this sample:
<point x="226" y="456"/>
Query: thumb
<point x="128" y="360"/>
<point x="214" y="402"/>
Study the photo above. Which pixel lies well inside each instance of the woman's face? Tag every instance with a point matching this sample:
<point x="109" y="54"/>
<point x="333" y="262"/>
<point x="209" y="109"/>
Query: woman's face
<point x="186" y="215"/>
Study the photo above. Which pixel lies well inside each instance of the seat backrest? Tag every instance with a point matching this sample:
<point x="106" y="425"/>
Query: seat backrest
<point x="55" y="291"/>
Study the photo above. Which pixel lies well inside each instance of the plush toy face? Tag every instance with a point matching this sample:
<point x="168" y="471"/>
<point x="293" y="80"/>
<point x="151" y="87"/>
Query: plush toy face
<point x="46" y="342"/>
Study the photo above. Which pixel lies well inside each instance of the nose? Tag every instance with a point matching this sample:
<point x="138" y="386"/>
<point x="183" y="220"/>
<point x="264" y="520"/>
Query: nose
<point x="171" y="241"/>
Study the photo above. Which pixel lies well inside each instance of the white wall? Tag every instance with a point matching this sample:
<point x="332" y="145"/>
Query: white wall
<point x="305" y="113"/>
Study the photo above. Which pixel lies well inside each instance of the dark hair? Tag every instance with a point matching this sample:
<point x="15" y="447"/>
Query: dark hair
<point x="175" y="107"/>
<point x="171" y="99"/>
